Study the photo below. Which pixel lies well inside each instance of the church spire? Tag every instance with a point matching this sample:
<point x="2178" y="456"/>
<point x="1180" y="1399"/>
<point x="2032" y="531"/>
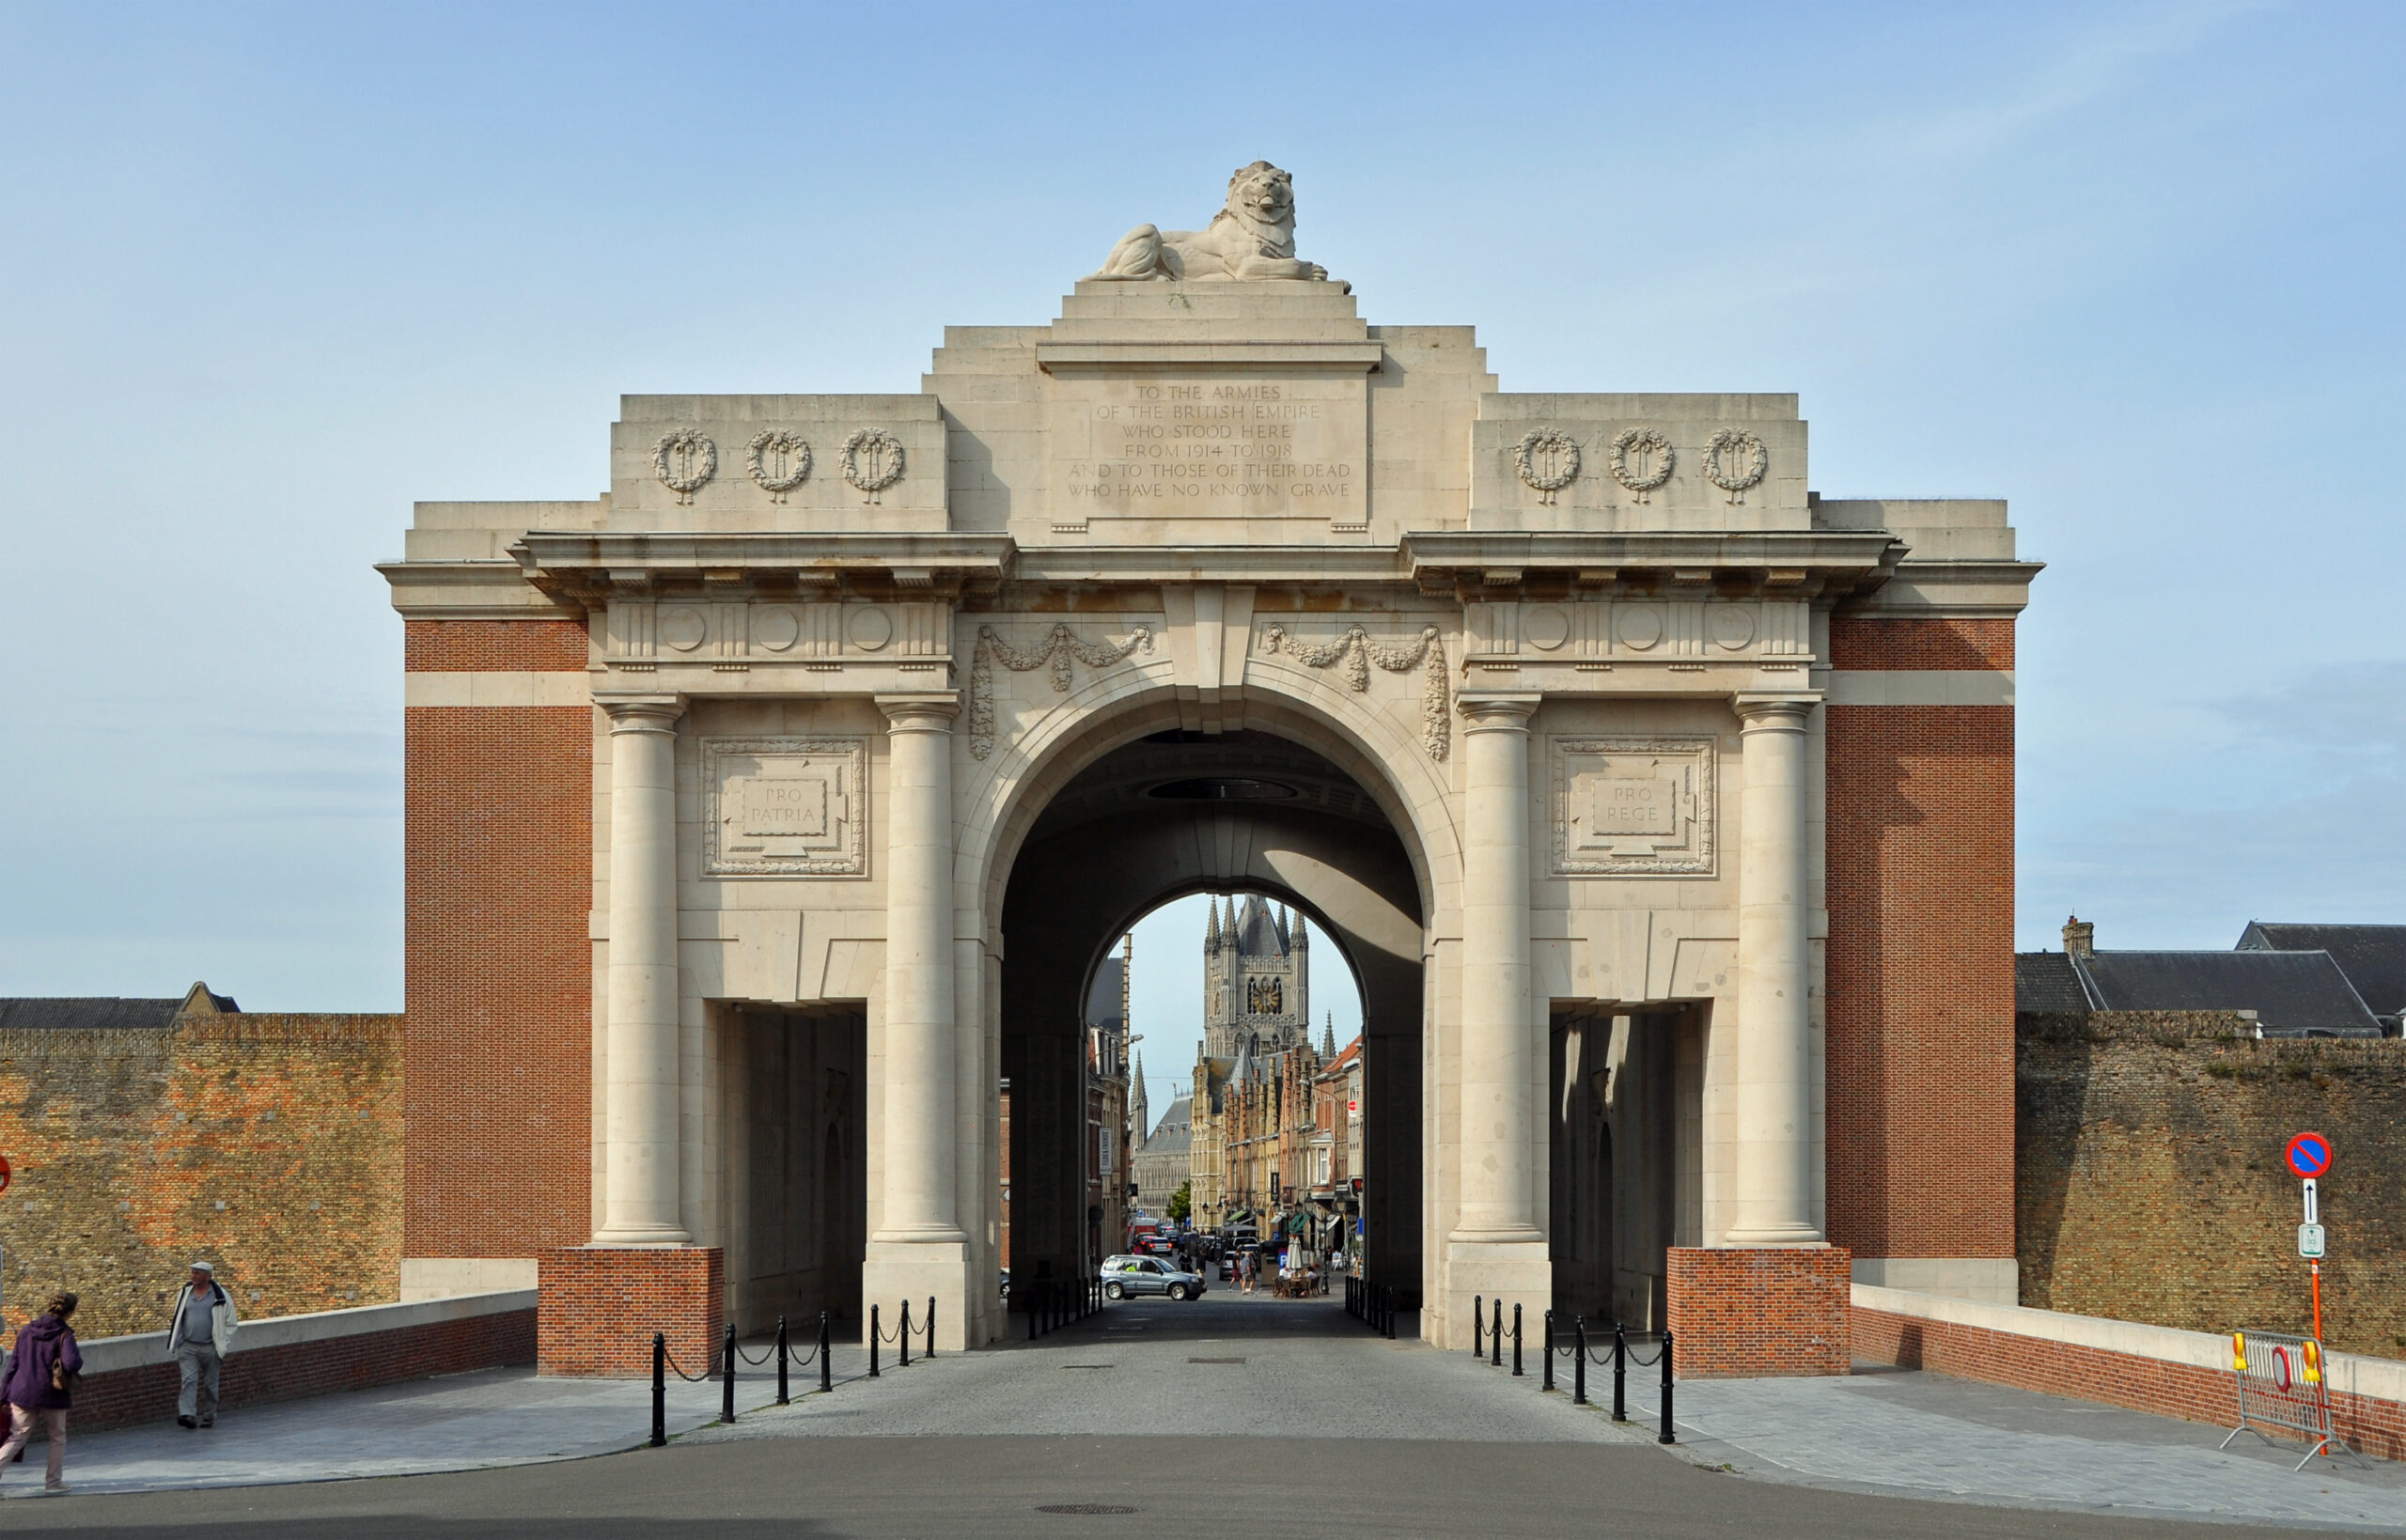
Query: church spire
<point x="1328" y="1039"/>
<point x="1211" y="928"/>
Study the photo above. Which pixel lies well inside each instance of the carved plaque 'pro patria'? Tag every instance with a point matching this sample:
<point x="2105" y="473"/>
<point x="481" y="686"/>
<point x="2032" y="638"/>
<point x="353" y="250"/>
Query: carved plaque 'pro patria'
<point x="783" y="806"/>
<point x="1632" y="807"/>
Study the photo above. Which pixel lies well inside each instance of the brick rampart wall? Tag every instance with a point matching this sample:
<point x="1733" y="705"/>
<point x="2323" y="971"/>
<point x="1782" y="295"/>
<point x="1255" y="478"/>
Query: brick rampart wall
<point x="2150" y="1182"/>
<point x="147" y="1393"/>
<point x="1920" y="959"/>
<point x="601" y="1305"/>
<point x="270" y="1144"/>
<point x="499" y="849"/>
<point x="1759" y="1310"/>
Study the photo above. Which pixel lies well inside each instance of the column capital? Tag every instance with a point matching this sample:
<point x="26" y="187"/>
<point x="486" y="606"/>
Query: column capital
<point x="646" y="713"/>
<point x="921" y="711"/>
<point x="1774" y="713"/>
<point x="1498" y="712"/>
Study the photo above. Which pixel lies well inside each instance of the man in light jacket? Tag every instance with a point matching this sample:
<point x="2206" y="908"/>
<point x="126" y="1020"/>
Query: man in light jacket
<point x="200" y="1334"/>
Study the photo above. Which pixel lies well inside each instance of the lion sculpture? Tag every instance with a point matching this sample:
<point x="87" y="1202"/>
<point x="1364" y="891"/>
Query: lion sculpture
<point x="1252" y="237"/>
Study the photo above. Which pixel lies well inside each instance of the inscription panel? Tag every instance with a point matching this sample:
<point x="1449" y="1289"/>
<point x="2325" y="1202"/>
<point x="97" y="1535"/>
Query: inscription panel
<point x="1633" y="808"/>
<point x="1220" y="446"/>
<point x="784" y="806"/>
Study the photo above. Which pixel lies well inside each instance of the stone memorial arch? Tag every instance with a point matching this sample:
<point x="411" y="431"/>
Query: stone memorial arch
<point x="769" y="811"/>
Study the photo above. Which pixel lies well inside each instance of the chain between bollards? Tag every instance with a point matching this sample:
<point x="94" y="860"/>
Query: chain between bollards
<point x="659" y="1389"/>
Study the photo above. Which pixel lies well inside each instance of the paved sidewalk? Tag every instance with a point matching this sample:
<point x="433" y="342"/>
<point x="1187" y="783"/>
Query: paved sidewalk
<point x="495" y="1417"/>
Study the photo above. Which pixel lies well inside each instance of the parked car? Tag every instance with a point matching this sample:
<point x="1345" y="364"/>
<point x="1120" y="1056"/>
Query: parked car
<point x="1127" y="1276"/>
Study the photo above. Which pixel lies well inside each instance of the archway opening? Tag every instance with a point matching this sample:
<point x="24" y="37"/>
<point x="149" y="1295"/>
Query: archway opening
<point x="1289" y="843"/>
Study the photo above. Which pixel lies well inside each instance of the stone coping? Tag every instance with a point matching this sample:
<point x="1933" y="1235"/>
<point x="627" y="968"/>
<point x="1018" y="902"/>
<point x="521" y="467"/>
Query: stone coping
<point x="2352" y="1374"/>
<point x="105" y="1355"/>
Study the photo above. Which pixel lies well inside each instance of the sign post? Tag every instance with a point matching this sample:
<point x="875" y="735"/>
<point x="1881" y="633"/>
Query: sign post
<point x="2309" y="1155"/>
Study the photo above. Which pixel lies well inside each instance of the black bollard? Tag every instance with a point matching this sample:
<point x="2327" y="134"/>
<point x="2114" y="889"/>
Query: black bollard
<point x="1578" y="1360"/>
<point x="1479" y="1326"/>
<point x="782" y="1398"/>
<point x="1666" y="1435"/>
<point x="1497" y="1339"/>
<point x="659" y="1390"/>
<point x="931" y="1326"/>
<point x="726" y="1377"/>
<point x="826" y="1353"/>
<point x="1516" y="1339"/>
<point x="1620" y="1373"/>
<point x="902" y="1335"/>
<point x="1546" y="1383"/>
<point x="1390" y="1308"/>
<point x="872" y="1342"/>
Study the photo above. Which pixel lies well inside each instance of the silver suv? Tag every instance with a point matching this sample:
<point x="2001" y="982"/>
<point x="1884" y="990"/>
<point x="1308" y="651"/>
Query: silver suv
<point x="1124" y="1276"/>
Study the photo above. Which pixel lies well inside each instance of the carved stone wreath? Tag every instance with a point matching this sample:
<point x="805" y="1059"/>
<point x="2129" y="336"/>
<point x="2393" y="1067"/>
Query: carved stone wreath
<point x="1642" y="442"/>
<point x="684" y="461"/>
<point x="1547" y="461"/>
<point x="1061" y="644"/>
<point x="779" y="461"/>
<point x="1358" y="652"/>
<point x="872" y="461"/>
<point x="1734" y="461"/>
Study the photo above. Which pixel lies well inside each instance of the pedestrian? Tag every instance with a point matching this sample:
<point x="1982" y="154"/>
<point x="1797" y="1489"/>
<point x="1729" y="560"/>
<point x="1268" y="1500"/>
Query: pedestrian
<point x="41" y="1379"/>
<point x="200" y="1332"/>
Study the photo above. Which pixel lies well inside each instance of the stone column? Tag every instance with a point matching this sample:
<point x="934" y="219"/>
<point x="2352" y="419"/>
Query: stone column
<point x="640" y="1205"/>
<point x="1498" y="1112"/>
<point x="921" y="1052"/>
<point x="1774" y="1007"/>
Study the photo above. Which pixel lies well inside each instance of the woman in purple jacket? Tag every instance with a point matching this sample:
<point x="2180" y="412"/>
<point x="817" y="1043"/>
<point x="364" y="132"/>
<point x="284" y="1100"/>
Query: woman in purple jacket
<point x="41" y="1379"/>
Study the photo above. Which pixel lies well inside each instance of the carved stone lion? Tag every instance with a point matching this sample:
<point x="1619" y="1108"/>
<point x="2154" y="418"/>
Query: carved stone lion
<point x="1253" y="236"/>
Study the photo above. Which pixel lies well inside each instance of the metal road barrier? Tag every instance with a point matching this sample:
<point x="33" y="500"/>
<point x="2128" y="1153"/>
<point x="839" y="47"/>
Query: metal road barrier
<point x="1581" y="1355"/>
<point x="2282" y="1389"/>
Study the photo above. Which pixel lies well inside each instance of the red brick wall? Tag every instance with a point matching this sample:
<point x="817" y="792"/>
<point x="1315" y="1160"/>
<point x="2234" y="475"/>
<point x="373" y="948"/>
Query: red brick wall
<point x="1759" y="1311"/>
<point x="498" y="1047"/>
<point x="1920" y="978"/>
<point x="1918" y="646"/>
<point x="252" y="1377"/>
<point x="494" y="646"/>
<point x="2094" y="1373"/>
<point x="601" y="1305"/>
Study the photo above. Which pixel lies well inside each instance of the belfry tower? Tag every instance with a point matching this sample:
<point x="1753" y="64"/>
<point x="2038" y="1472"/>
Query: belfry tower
<point x="1256" y="973"/>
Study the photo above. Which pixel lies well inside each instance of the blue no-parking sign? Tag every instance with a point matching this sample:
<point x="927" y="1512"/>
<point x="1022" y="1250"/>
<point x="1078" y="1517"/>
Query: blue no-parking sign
<point x="2308" y="1155"/>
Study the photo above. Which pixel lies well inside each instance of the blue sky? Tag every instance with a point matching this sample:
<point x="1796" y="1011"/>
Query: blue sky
<point x="266" y="275"/>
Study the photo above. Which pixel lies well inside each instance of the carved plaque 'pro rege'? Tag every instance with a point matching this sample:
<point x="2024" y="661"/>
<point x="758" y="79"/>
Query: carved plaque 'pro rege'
<point x="1632" y="807"/>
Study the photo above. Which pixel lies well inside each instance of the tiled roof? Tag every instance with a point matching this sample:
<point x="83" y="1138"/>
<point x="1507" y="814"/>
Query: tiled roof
<point x="2372" y="956"/>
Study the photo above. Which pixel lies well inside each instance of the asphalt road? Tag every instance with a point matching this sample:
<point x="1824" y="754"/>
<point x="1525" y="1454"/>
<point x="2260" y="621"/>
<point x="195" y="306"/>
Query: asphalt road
<point x="1227" y="1418"/>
